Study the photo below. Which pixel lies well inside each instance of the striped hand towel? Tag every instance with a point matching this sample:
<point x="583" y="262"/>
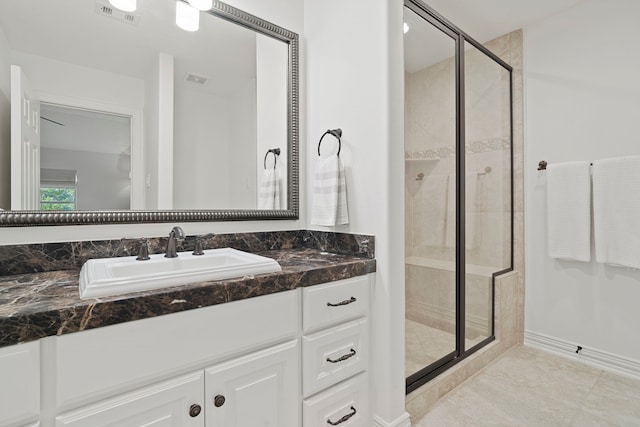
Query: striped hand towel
<point x="329" y="193"/>
<point x="269" y="191"/>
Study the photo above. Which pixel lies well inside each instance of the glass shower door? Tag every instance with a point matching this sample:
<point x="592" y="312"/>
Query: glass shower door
<point x="430" y="194"/>
<point x="487" y="89"/>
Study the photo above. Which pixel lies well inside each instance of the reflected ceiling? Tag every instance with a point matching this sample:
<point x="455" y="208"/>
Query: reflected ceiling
<point x="129" y="48"/>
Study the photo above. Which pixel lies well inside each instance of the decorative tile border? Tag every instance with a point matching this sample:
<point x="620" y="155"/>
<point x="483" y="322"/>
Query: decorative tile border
<point x="475" y="147"/>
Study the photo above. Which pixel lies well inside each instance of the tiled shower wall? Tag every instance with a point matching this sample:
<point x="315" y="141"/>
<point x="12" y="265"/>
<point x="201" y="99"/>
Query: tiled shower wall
<point x="430" y="160"/>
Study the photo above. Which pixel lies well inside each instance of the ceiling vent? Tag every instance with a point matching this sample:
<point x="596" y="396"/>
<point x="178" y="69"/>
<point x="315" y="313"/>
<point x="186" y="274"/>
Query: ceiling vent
<point x="194" y="78"/>
<point x="105" y="9"/>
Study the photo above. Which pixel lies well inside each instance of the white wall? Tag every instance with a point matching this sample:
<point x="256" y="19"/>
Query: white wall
<point x="151" y="131"/>
<point x="582" y="103"/>
<point x="286" y="13"/>
<point x="166" y="121"/>
<point x="201" y="117"/>
<point x="242" y="178"/>
<point x="5" y="122"/>
<point x="271" y="96"/>
<point x="74" y="81"/>
<point x="101" y="185"/>
<point x="355" y="82"/>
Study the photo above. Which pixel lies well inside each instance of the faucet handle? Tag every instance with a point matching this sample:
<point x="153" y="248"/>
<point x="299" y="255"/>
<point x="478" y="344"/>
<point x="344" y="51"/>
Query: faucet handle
<point x="197" y="247"/>
<point x="143" y="249"/>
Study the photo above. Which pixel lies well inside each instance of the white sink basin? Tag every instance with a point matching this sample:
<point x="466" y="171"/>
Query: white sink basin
<point x="113" y="276"/>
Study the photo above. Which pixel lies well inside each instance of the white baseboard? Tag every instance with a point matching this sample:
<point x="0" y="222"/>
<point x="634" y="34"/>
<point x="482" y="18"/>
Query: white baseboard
<point x="402" y="421"/>
<point x="589" y="356"/>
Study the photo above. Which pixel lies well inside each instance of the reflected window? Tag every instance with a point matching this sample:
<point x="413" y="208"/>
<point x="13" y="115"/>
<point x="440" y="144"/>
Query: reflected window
<point x="58" y="190"/>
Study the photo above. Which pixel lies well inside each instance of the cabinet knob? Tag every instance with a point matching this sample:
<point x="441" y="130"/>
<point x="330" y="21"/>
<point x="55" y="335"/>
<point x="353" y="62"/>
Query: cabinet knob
<point x="195" y="410"/>
<point x="219" y="400"/>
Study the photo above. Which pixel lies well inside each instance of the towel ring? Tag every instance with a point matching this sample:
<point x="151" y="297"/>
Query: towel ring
<point x="337" y="133"/>
<point x="276" y="153"/>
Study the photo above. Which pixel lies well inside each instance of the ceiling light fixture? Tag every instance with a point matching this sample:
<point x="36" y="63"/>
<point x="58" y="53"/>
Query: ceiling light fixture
<point x="124" y="5"/>
<point x="187" y="17"/>
<point x="201" y="4"/>
<point x="406" y="27"/>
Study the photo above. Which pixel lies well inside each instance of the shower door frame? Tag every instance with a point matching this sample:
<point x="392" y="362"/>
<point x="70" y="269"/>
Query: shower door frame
<point x="417" y="379"/>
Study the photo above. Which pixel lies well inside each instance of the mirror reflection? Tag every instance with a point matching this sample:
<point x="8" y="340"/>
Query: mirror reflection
<point x="114" y="110"/>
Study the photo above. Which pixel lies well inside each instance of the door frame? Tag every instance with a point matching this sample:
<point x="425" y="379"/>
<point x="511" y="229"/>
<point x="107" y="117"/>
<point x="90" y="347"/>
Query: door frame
<point x="135" y="114"/>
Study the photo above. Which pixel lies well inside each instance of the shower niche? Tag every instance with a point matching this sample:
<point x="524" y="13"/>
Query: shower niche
<point x="458" y="191"/>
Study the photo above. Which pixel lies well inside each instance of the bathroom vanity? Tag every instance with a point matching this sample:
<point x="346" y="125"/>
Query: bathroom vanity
<point x="284" y="349"/>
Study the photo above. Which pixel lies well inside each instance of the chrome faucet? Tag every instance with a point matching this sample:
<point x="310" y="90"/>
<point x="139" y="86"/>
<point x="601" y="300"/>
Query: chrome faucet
<point x="175" y="234"/>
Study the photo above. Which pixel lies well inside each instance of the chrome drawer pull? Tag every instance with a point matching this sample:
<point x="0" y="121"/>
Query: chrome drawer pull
<point x="345" y="302"/>
<point x="343" y="419"/>
<point x="342" y="358"/>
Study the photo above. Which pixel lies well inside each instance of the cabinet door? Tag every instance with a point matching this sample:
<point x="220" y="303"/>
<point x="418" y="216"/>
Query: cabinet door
<point x="19" y="383"/>
<point x="260" y="389"/>
<point x="167" y="404"/>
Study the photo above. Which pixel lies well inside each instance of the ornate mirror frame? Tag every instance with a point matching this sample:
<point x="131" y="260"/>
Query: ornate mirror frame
<point x="237" y="16"/>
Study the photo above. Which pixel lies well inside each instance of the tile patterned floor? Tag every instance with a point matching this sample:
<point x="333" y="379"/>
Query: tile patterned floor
<point x="528" y="387"/>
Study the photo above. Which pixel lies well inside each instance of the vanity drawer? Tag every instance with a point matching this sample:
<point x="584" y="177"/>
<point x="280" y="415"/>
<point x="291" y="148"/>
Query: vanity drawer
<point x="348" y="400"/>
<point x="333" y="355"/>
<point x="334" y="302"/>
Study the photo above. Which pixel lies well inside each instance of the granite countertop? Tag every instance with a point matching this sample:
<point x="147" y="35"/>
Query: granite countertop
<point x="39" y="305"/>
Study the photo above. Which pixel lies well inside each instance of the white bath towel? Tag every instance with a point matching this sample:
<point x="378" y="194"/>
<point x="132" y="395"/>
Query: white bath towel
<point x="269" y="191"/>
<point x="616" y="210"/>
<point x="569" y="211"/>
<point x="329" y="203"/>
<point x="430" y="212"/>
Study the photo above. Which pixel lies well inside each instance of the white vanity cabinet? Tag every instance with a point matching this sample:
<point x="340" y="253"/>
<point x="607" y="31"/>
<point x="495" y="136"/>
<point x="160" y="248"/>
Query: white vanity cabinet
<point x="288" y="359"/>
<point x="174" y="370"/>
<point x="253" y="390"/>
<point x="92" y="365"/>
<point x="335" y="353"/>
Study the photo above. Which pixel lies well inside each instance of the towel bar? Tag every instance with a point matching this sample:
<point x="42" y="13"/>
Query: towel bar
<point x="337" y="133"/>
<point x="276" y="153"/>
<point x="542" y="165"/>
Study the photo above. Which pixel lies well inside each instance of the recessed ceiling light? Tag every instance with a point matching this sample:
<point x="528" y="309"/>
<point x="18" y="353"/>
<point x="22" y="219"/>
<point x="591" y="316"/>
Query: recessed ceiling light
<point x="201" y="4"/>
<point x="406" y="27"/>
<point x="125" y="5"/>
<point x="187" y="17"/>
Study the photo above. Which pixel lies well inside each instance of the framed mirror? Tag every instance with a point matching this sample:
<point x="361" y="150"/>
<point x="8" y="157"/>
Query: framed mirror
<point x="120" y="117"/>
